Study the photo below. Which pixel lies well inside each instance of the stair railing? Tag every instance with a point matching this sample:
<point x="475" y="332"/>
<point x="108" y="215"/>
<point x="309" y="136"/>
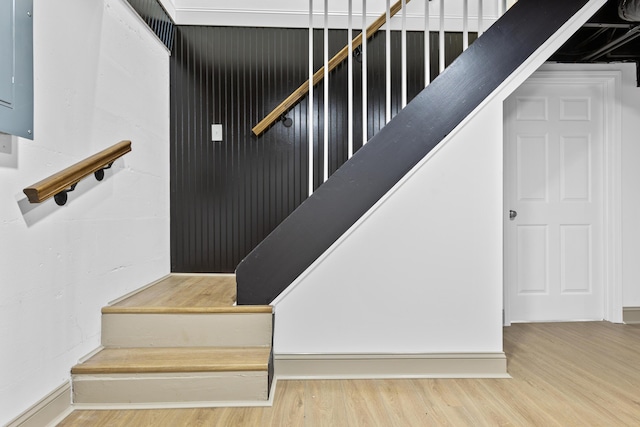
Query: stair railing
<point x="352" y="190"/>
<point x="65" y="181"/>
<point x="434" y="12"/>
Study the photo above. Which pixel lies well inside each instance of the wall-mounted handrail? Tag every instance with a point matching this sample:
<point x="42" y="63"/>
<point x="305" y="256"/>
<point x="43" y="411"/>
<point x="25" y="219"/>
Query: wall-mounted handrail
<point x="299" y="93"/>
<point x="58" y="184"/>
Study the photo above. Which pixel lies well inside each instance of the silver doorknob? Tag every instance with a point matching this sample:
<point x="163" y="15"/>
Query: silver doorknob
<point x="513" y="215"/>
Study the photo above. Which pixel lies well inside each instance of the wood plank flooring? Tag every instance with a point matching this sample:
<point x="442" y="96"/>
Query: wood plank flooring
<point x="564" y="374"/>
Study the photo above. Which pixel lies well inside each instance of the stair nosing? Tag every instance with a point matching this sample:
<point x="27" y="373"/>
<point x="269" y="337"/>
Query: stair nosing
<point x="188" y="310"/>
<point x="76" y="370"/>
<point x="131" y="366"/>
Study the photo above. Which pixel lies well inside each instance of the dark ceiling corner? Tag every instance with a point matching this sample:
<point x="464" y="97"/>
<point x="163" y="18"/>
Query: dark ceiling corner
<point x="605" y="38"/>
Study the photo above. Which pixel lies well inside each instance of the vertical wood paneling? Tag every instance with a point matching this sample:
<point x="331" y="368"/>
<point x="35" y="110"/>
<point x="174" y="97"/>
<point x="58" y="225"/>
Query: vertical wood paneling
<point x="227" y="196"/>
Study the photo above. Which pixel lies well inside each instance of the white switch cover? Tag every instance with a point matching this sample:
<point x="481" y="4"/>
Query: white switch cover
<point x="5" y="143"/>
<point x="216" y="132"/>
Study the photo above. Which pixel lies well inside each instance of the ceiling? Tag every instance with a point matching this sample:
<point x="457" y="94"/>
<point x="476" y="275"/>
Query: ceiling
<point x="605" y="38"/>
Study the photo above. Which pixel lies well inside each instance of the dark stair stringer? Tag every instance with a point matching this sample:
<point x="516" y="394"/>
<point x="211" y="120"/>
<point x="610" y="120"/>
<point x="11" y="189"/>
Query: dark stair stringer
<point x="356" y="186"/>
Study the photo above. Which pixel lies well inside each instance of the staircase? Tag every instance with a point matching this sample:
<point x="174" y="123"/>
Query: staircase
<point x="496" y="63"/>
<point x="179" y="342"/>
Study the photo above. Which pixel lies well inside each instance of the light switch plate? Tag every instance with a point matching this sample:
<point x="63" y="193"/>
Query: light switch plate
<point x="216" y="132"/>
<point x="5" y="143"/>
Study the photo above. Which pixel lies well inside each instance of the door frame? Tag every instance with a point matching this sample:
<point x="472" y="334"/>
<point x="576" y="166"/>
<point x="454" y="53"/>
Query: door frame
<point x="611" y="83"/>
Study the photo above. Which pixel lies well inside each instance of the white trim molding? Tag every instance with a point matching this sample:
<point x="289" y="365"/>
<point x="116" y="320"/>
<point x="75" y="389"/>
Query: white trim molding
<point x="49" y="411"/>
<point x="300" y="19"/>
<point x="295" y="14"/>
<point x="376" y="366"/>
<point x="631" y="315"/>
<point x="170" y="7"/>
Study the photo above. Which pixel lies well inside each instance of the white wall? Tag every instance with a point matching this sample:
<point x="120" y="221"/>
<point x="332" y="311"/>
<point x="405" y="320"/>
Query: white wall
<point x="365" y="296"/>
<point x="422" y="272"/>
<point x="100" y="77"/>
<point x="630" y="187"/>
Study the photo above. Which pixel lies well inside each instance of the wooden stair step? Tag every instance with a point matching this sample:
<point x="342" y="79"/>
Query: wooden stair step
<point x="179" y="341"/>
<point x="180" y="359"/>
<point x="185" y="291"/>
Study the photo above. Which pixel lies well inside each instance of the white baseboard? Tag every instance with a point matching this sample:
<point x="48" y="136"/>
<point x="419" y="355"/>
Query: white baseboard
<point x="49" y="411"/>
<point x="631" y="315"/>
<point x="371" y="366"/>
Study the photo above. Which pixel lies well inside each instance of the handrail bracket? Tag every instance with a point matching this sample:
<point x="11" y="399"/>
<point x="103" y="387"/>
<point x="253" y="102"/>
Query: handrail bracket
<point x="61" y="197"/>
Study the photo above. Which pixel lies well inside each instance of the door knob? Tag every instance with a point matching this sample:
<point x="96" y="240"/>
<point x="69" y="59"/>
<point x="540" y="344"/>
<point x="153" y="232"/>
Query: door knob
<point x="513" y="215"/>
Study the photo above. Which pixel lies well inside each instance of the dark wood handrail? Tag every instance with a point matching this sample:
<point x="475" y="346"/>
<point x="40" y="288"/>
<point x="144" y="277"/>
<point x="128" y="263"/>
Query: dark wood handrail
<point x="299" y="93"/>
<point x="66" y="180"/>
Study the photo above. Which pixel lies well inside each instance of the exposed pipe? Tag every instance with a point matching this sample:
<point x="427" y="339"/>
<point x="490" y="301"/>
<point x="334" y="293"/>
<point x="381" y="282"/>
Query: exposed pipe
<point x="630" y="35"/>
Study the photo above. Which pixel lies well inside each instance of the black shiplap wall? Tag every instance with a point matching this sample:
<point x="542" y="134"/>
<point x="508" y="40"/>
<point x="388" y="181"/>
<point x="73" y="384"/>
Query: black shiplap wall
<point x="227" y="196"/>
<point x="154" y="15"/>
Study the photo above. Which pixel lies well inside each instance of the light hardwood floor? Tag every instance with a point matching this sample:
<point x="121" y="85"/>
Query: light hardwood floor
<point x="564" y="374"/>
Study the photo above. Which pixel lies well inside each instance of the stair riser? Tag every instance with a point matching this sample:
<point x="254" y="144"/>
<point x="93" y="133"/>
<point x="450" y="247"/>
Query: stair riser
<point x="187" y="330"/>
<point x="216" y="387"/>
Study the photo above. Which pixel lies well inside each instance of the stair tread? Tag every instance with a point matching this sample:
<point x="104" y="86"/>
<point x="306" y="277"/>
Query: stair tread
<point x="179" y="359"/>
<point x="239" y="309"/>
<point x="186" y="291"/>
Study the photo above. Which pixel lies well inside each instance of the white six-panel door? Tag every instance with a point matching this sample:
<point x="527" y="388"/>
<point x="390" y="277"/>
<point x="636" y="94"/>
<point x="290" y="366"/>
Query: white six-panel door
<point x="554" y="141"/>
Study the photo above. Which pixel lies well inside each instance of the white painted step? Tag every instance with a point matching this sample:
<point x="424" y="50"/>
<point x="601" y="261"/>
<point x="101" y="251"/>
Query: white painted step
<point x="222" y="327"/>
<point x="173" y="376"/>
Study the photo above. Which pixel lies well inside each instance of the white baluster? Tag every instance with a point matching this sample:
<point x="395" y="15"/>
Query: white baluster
<point x="427" y="45"/>
<point x="325" y="151"/>
<point x="441" y="32"/>
<point x="364" y="72"/>
<point x="480" y="19"/>
<point x="388" y="64"/>
<point x="465" y="24"/>
<point x="350" y="84"/>
<point x="404" y="53"/>
<point x="310" y="99"/>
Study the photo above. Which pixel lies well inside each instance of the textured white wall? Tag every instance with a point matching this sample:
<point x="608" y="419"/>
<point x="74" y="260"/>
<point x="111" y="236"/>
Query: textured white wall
<point x="100" y="77"/>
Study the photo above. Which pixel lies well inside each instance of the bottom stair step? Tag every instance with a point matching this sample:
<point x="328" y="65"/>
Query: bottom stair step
<point x="175" y="359"/>
<point x="121" y="376"/>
